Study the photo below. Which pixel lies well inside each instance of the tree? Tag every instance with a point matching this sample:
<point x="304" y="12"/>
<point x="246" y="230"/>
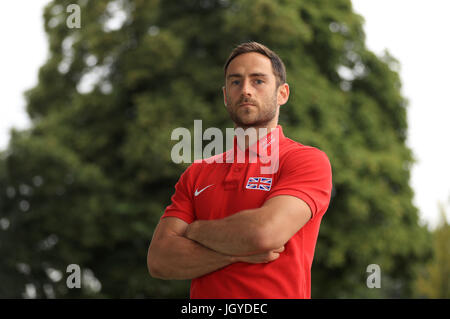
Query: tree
<point x="434" y="278"/>
<point x="89" y="181"/>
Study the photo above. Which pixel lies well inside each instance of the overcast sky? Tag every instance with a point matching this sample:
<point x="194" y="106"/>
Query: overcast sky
<point x="414" y="31"/>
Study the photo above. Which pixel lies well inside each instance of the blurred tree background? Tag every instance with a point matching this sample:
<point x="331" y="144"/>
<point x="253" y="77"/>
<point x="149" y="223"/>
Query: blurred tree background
<point x="89" y="181"/>
<point x="434" y="278"/>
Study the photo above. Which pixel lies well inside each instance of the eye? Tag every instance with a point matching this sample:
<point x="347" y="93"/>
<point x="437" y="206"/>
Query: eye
<point x="258" y="81"/>
<point x="235" y="82"/>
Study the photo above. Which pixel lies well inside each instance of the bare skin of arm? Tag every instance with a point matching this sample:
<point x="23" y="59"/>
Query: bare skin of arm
<point x="253" y="231"/>
<point x="173" y="256"/>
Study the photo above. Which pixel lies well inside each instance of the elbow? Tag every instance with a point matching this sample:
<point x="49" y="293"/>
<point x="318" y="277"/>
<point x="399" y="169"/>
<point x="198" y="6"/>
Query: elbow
<point x="151" y="266"/>
<point x="156" y="271"/>
<point x="154" y="268"/>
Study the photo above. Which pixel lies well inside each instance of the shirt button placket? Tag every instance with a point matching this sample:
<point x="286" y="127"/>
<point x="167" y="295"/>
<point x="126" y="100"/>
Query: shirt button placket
<point x="234" y="176"/>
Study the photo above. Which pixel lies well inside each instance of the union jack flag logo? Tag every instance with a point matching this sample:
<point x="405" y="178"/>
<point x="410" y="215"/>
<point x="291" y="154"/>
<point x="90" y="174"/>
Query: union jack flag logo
<point x="261" y="183"/>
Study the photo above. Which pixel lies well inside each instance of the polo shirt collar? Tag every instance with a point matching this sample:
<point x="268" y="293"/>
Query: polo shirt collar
<point x="260" y="147"/>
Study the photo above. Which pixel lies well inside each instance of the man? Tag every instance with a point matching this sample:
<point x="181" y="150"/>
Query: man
<point x="236" y="232"/>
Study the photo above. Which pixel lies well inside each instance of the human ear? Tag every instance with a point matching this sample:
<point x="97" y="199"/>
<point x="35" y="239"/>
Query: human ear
<point x="283" y="94"/>
<point x="224" y="95"/>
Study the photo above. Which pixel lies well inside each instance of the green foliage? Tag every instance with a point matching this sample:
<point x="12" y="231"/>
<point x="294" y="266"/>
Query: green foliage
<point x="89" y="181"/>
<point x="434" y="278"/>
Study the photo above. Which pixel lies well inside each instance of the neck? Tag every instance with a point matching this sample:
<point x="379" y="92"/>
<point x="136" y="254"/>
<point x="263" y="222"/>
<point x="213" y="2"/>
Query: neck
<point x="255" y="133"/>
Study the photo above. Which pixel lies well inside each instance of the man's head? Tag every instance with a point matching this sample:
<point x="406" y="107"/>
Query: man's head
<point x="255" y="85"/>
<point x="278" y="67"/>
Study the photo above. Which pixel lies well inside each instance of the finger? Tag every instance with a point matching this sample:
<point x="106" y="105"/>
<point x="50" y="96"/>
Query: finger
<point x="274" y="256"/>
<point x="279" y="250"/>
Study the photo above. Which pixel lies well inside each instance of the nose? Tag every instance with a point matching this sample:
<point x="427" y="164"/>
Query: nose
<point x="247" y="89"/>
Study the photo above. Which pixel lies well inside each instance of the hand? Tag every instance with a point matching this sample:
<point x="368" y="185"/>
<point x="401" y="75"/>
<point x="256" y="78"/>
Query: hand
<point x="265" y="257"/>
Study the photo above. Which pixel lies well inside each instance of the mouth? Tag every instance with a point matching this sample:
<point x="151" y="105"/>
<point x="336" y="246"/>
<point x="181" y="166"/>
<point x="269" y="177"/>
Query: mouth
<point x="246" y="104"/>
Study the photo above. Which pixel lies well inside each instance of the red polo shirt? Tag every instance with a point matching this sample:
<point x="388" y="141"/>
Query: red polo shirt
<point x="212" y="190"/>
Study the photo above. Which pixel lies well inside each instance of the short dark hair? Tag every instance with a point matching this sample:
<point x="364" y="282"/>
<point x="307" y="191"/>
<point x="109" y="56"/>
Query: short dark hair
<point x="277" y="64"/>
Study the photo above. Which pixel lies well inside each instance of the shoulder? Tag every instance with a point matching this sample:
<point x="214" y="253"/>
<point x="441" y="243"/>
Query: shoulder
<point x="202" y="166"/>
<point x="193" y="168"/>
<point x="298" y="153"/>
<point x="188" y="174"/>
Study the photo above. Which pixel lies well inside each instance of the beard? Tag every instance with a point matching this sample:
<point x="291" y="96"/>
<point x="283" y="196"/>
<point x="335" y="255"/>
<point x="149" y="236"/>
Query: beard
<point x="258" y="115"/>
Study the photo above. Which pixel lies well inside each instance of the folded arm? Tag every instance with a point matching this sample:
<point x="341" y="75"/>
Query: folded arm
<point x="173" y="256"/>
<point x="255" y="230"/>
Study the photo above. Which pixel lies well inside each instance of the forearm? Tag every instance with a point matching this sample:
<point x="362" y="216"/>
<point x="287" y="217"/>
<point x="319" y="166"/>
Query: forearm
<point x="239" y="234"/>
<point x="178" y="257"/>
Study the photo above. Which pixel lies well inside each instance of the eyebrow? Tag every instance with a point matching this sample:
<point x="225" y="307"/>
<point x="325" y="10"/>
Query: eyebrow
<point x="238" y="75"/>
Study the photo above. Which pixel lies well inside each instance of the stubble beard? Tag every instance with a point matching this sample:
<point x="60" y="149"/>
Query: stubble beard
<point x="265" y="113"/>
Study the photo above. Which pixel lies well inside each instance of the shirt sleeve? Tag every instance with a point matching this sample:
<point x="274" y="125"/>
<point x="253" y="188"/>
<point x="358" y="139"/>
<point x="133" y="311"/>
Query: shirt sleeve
<point x="181" y="201"/>
<point x="306" y="174"/>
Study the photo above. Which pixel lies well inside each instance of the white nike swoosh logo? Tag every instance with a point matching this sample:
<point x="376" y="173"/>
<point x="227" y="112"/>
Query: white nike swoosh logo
<point x="197" y="192"/>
